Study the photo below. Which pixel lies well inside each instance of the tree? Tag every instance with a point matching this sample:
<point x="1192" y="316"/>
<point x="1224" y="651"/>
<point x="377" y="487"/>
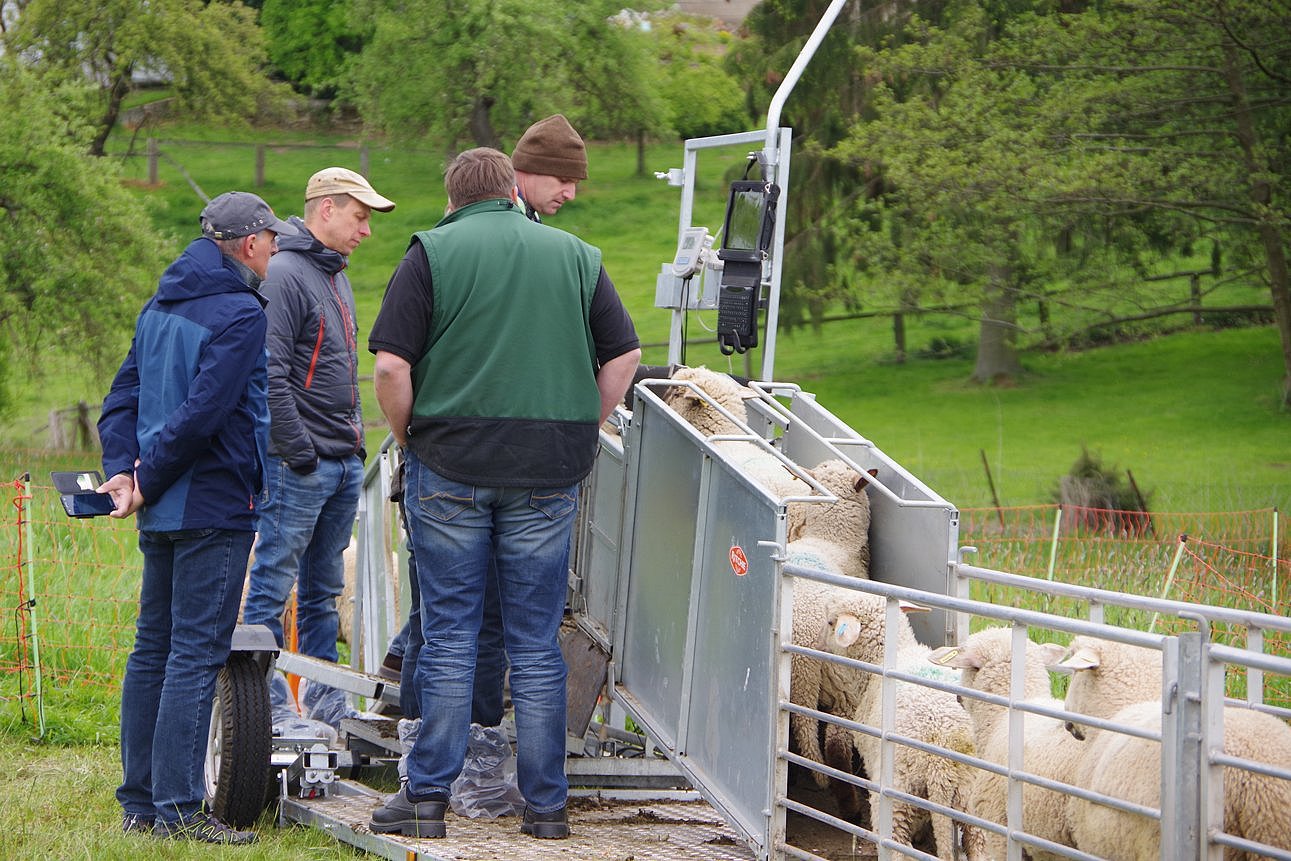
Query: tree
<point x="1056" y="156"/>
<point x="313" y="42"/>
<point x="963" y="151"/>
<point x="211" y="54"/>
<point x="1184" y="107"/>
<point x="480" y="71"/>
<point x="77" y="254"/>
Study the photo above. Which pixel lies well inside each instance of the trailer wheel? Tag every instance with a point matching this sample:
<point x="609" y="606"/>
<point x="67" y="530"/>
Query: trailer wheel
<point x="238" y="747"/>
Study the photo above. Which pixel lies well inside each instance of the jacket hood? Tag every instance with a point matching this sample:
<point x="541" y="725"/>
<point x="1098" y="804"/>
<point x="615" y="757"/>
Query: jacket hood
<point x="201" y="270"/>
<point x="306" y="243"/>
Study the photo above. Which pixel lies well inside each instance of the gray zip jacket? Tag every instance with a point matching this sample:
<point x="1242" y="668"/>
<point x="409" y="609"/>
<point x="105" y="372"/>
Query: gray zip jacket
<point x="314" y="406"/>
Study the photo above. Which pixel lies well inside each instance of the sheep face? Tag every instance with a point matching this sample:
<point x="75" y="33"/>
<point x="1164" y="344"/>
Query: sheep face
<point x="856" y="627"/>
<point x="985" y="662"/>
<point x="1107" y="676"/>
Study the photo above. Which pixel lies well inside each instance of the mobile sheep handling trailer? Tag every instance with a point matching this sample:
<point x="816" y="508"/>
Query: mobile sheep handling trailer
<point x="681" y="604"/>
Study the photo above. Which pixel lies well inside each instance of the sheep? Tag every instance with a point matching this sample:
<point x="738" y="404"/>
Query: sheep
<point x="830" y="537"/>
<point x="856" y="628"/>
<point x="985" y="661"/>
<point x="827" y="536"/>
<point x="1122" y="683"/>
<point x="747" y="457"/>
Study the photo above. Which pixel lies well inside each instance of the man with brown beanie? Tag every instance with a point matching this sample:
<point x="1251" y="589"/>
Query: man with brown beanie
<point x="550" y="160"/>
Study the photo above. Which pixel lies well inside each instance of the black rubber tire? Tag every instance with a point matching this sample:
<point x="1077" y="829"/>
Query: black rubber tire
<point x="238" y="749"/>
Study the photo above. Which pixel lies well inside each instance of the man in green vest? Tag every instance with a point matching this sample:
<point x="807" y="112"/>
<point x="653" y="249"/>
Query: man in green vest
<point x="501" y="346"/>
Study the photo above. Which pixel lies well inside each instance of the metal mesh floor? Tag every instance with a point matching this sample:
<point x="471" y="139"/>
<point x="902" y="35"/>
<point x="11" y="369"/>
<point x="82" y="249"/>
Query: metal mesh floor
<point x="600" y="829"/>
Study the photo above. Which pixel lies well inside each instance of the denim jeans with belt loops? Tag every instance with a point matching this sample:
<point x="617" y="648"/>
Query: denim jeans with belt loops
<point x="455" y="529"/>
<point x="188" y="606"/>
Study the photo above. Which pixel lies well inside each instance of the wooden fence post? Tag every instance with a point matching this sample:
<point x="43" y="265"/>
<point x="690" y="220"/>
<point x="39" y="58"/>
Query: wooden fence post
<point x="364" y="159"/>
<point x="259" y="165"/>
<point x="153" y="155"/>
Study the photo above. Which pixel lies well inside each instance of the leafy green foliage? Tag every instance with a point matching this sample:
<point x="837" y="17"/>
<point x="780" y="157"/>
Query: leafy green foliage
<point x="702" y="98"/>
<point x="313" y="42"/>
<point x="77" y="251"/>
<point x="211" y="54"/>
<point x="478" y="72"/>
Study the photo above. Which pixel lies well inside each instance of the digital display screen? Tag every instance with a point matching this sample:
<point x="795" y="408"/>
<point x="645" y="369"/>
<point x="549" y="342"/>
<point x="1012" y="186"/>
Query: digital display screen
<point x="744" y="220"/>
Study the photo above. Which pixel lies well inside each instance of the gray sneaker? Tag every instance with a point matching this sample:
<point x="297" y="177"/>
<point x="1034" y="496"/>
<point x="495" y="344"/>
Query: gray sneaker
<point x="409" y="818"/>
<point x="202" y="827"/>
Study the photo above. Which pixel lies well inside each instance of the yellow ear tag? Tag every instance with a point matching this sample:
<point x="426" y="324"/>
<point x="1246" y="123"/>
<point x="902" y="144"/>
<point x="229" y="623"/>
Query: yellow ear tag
<point x="950" y="653"/>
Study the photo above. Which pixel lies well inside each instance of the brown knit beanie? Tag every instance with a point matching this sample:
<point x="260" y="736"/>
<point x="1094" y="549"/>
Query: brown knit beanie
<point x="551" y="147"/>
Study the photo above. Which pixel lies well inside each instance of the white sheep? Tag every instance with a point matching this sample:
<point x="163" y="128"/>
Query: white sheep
<point x="985" y="661"/>
<point x="747" y="457"/>
<point x="857" y="624"/>
<point x="1122" y="683"/>
<point x="830" y="537"/>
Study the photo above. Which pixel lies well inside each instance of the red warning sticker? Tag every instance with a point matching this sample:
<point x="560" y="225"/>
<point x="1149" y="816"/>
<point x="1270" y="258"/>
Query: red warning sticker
<point x="739" y="562"/>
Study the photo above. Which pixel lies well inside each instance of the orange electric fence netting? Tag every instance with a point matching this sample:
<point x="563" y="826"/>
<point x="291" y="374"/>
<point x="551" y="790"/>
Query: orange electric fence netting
<point x="69" y="588"/>
<point x="1239" y="560"/>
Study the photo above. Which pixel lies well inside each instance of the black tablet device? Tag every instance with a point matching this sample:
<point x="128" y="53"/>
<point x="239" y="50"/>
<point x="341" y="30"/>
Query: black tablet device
<point x="750" y="221"/>
<point x="77" y="492"/>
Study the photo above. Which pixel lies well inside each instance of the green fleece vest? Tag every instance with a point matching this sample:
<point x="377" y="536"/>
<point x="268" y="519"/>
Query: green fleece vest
<point x="509" y="364"/>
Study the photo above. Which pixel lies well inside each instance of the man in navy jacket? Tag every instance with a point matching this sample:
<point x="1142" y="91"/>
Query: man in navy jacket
<point x="184" y="431"/>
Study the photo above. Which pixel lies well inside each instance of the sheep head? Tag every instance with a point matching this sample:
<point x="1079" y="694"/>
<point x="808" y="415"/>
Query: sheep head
<point x="849" y="516"/>
<point x="856" y="626"/>
<point x="985" y="661"/>
<point x="1106" y="676"/>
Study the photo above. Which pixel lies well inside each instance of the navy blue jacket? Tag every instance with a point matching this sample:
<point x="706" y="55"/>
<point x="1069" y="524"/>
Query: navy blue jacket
<point x="190" y="402"/>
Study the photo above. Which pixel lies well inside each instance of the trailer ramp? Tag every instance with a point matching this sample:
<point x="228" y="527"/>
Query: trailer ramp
<point x="601" y="828"/>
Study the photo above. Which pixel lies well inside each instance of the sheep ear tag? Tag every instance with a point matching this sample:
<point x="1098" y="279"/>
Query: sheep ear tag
<point x="943" y="656"/>
<point x="846" y="630"/>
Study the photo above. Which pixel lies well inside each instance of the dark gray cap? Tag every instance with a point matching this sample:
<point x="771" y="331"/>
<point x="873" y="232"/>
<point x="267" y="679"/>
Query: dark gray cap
<point x="240" y="213"/>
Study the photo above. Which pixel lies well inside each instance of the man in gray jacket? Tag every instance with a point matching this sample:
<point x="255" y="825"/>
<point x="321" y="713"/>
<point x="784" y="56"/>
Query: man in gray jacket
<point x="316" y="424"/>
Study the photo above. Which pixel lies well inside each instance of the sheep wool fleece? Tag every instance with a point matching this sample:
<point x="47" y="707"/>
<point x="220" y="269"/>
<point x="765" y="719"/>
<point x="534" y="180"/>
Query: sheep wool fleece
<point x="520" y="413"/>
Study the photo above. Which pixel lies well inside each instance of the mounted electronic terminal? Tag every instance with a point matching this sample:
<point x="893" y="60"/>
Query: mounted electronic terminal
<point x="746" y="239"/>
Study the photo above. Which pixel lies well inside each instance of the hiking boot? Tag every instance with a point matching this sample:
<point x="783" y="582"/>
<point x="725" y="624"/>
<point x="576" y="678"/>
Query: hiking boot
<point x="136" y="823"/>
<point x="547" y="826"/>
<point x="410" y="818"/>
<point x="202" y="827"/>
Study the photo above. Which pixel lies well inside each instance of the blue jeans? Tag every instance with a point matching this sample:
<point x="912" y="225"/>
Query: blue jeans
<point x="490" y="660"/>
<point x="188" y="606"/>
<point x="304" y="528"/>
<point x="456" y="528"/>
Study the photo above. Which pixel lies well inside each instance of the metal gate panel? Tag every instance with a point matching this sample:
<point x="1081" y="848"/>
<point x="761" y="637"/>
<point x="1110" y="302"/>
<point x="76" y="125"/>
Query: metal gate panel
<point x="732" y="702"/>
<point x="914" y="533"/>
<point x="600" y="528"/>
<point x="663" y="486"/>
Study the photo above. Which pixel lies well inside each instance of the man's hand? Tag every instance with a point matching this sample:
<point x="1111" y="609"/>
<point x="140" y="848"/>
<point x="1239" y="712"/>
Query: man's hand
<point x="124" y="492"/>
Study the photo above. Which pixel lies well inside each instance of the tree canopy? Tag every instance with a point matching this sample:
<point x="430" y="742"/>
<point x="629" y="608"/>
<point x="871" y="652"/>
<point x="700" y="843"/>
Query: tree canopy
<point x="77" y="254"/>
<point x="210" y="53"/>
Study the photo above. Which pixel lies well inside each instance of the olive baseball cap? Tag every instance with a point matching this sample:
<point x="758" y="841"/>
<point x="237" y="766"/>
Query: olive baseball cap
<point x="240" y="213"/>
<point x="339" y="180"/>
